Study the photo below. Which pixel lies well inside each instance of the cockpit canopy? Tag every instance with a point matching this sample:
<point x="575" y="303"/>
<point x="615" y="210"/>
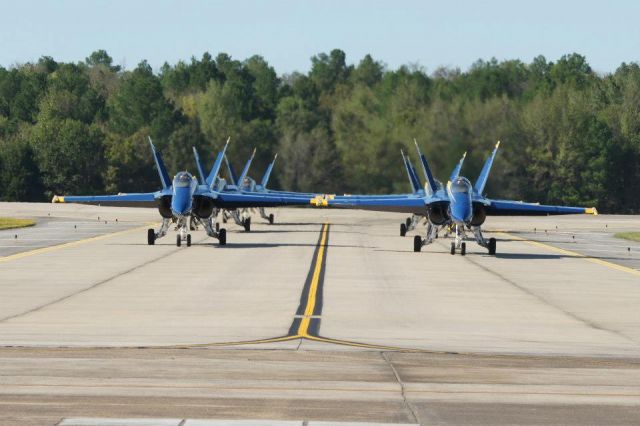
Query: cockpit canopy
<point x="460" y="185"/>
<point x="182" y="179"/>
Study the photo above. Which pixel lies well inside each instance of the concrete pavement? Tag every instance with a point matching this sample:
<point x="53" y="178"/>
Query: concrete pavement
<point x="280" y="325"/>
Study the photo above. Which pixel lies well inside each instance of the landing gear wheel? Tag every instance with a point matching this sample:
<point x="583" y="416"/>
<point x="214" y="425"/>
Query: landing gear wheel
<point x="217" y="227"/>
<point x="178" y="240"/>
<point x="492" y="246"/>
<point x="188" y="240"/>
<point x="407" y="222"/>
<point x="417" y="243"/>
<point x="271" y="218"/>
<point x="222" y="237"/>
<point x="453" y="248"/>
<point x="151" y="237"/>
<point x="403" y="229"/>
<point x="463" y="249"/>
<point x="247" y="224"/>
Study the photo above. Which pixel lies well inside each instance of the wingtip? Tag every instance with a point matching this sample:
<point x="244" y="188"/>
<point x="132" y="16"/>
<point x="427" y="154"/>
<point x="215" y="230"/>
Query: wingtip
<point x="57" y="199"/>
<point x="497" y="144"/>
<point x="591" y="210"/>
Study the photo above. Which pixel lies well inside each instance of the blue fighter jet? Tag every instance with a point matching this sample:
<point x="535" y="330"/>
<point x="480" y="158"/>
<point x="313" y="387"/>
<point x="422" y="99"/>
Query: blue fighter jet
<point x="185" y="198"/>
<point x="459" y="207"/>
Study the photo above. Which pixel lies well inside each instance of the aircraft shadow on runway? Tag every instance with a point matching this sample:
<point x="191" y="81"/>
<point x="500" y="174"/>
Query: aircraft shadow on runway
<point x="249" y="245"/>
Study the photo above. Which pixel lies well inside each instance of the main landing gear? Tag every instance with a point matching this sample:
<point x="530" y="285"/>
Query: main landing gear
<point x="409" y="225"/>
<point x="458" y="245"/>
<point x="181" y="227"/>
<point x="432" y="234"/>
<point x="241" y="218"/>
<point x="270" y="218"/>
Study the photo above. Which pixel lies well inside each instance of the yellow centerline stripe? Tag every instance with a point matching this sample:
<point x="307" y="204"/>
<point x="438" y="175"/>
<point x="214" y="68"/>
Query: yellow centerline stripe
<point x="575" y="254"/>
<point x="70" y="244"/>
<point x="303" y="330"/>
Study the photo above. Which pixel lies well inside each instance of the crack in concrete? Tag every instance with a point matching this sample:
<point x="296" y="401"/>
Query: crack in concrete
<point x="405" y="402"/>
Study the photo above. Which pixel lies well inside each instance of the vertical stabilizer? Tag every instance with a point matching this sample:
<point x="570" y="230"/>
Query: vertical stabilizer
<point x="162" y="170"/>
<point x="245" y="171"/>
<point x="486" y="169"/>
<point x="456" y="170"/>
<point x="267" y="174"/>
<point x="213" y="174"/>
<point x="415" y="185"/>
<point x="233" y="177"/>
<point x="203" y="178"/>
<point x="431" y="182"/>
<point x="415" y="174"/>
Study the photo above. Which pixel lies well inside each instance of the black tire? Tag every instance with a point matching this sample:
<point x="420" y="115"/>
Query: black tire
<point x="403" y="230"/>
<point x="188" y="240"/>
<point x="417" y="243"/>
<point x="453" y="248"/>
<point x="222" y="237"/>
<point x="178" y="240"/>
<point x="151" y="237"/>
<point x="463" y="249"/>
<point x="272" y="218"/>
<point x="492" y="246"/>
<point x="217" y="227"/>
<point x="407" y="222"/>
<point x="247" y="224"/>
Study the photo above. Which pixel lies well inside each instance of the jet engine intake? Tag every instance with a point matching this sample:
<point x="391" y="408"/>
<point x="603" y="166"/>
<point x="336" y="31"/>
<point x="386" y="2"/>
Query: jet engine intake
<point x="438" y="213"/>
<point x="479" y="214"/>
<point x="203" y="207"/>
<point x="164" y="207"/>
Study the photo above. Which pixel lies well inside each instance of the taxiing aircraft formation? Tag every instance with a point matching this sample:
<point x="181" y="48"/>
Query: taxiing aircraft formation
<point x="457" y="208"/>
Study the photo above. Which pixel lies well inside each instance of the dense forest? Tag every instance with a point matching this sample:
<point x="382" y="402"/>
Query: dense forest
<point x="569" y="135"/>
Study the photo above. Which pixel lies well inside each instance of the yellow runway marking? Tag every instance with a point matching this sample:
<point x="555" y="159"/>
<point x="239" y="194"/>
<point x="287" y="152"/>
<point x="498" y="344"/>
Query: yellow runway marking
<point x="574" y="254"/>
<point x="69" y="244"/>
<point x="305" y="320"/>
<point x="303" y="330"/>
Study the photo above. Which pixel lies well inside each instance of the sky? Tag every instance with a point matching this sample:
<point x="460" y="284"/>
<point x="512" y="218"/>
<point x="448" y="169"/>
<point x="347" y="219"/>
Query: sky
<point x="287" y="33"/>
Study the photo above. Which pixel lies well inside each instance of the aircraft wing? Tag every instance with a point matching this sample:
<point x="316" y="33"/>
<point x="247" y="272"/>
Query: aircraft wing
<point x="406" y="204"/>
<point x="229" y="200"/>
<point x="519" y="208"/>
<point x="147" y="199"/>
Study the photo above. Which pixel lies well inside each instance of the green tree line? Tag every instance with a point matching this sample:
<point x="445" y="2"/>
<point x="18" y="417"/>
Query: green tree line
<point x="569" y="135"/>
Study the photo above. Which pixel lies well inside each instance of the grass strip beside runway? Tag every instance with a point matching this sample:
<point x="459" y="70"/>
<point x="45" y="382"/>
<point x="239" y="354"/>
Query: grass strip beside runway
<point x="631" y="236"/>
<point x="13" y="223"/>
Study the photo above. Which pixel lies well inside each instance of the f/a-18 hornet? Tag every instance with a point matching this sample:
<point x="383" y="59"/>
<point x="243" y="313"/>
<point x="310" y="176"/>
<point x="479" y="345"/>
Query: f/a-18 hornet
<point x="460" y="207"/>
<point x="185" y="198"/>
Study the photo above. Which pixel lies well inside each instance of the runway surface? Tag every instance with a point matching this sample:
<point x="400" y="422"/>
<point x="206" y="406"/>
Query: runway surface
<point x="325" y="316"/>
